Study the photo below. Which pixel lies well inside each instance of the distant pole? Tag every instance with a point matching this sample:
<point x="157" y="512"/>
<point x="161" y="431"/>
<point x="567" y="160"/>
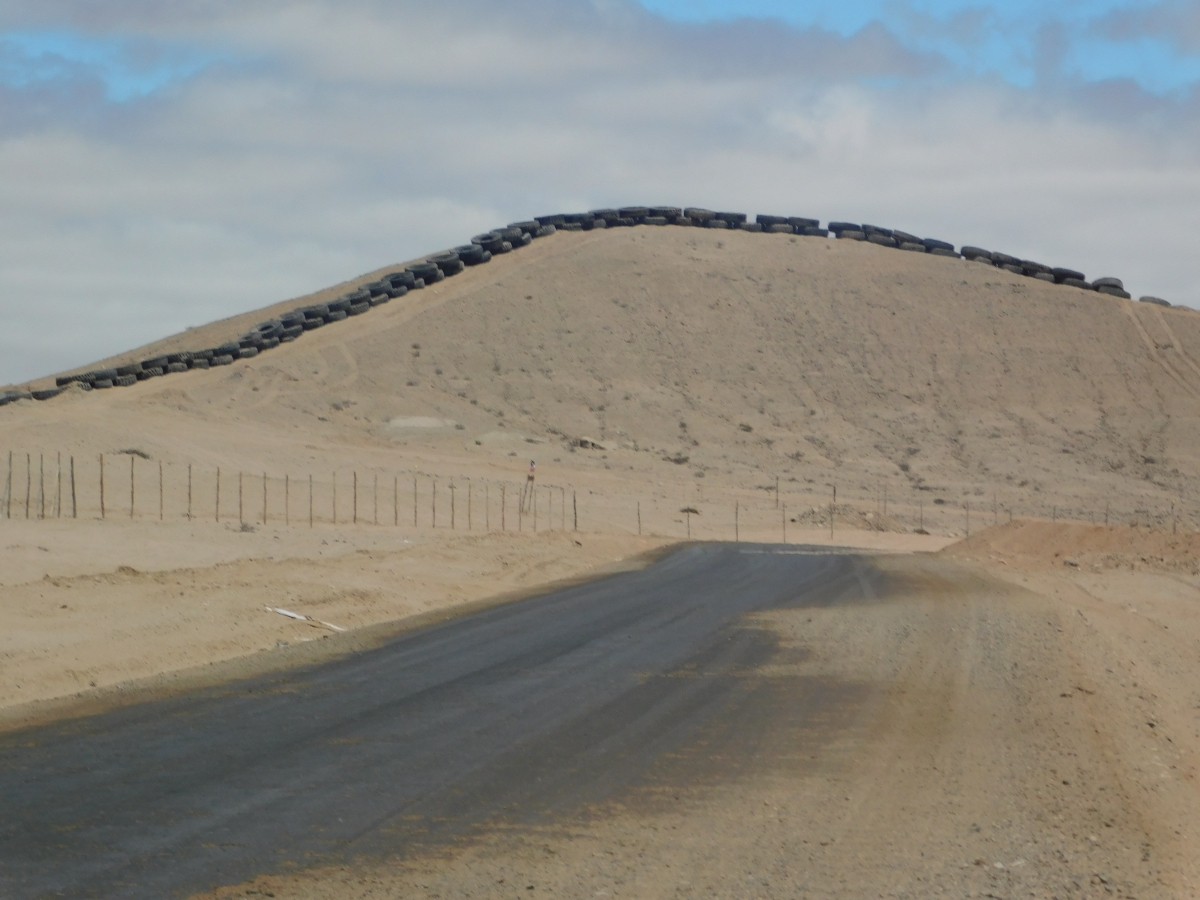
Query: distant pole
<point x="101" y="485"/>
<point x="575" y="509"/>
<point x="132" y="460"/>
<point x="241" y="512"/>
<point x="160" y="491"/>
<point x="74" y="507"/>
<point x="189" y="492"/>
<point x="218" y="504"/>
<point x="264" y="498"/>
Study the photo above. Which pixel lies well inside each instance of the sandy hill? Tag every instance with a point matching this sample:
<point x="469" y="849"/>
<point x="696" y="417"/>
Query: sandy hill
<point x="695" y="354"/>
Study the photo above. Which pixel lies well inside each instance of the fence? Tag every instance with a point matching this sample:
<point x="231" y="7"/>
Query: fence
<point x="127" y="486"/>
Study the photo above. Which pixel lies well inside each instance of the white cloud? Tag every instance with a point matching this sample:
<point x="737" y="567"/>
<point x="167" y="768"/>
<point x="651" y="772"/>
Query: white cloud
<point x="334" y="138"/>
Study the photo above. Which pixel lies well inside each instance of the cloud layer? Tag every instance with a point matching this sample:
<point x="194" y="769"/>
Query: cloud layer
<point x="165" y="165"/>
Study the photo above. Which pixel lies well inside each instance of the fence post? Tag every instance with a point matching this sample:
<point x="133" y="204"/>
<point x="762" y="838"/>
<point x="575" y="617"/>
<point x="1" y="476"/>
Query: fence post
<point x="102" y="514"/>
<point x="74" y="508"/>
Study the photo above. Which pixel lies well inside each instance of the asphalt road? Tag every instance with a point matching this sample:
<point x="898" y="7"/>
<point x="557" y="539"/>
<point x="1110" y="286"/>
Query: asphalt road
<point x="523" y="711"/>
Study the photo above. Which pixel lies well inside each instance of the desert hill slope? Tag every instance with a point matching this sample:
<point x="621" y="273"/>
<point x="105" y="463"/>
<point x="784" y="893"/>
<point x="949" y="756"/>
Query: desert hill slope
<point x="689" y="354"/>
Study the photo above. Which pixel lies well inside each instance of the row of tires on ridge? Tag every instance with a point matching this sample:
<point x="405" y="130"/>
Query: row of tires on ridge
<point x="292" y="325"/>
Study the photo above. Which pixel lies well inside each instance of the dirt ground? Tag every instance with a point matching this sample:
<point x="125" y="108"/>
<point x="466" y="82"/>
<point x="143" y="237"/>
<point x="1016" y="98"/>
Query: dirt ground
<point x="1008" y="732"/>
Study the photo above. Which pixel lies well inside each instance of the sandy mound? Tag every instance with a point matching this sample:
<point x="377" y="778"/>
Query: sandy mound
<point x="1034" y="545"/>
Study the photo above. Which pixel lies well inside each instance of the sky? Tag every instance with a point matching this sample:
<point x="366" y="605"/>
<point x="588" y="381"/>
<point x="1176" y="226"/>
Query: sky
<point x="165" y="165"/>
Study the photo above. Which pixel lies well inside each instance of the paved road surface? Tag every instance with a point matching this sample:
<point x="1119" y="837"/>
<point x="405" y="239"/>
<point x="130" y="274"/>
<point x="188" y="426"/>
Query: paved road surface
<point x="518" y="712"/>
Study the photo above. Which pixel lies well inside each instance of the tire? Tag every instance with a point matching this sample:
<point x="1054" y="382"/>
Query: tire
<point x="1009" y="267"/>
<point x="683" y="222"/>
<point x="975" y="253"/>
<point x="768" y="222"/>
<point x="149" y="372"/>
<point x="838" y="227"/>
<point x="101" y="384"/>
<point x="942" y="251"/>
<point x="986" y="260"/>
<point x="557" y="221"/>
<point x="912" y="247"/>
<point x="157" y="362"/>
<point x="733" y="218"/>
<point x="577" y="218"/>
<point x="177" y="367"/>
<point x="851" y="235"/>
<point x="359" y="308"/>
<point x="125" y="381"/>
<point x="881" y="239"/>
<point x="666" y="212"/>
<point x="593" y="224"/>
<point x="319" y="311"/>
<point x="182" y="357"/>
<point x="654" y="220"/>
<point x="633" y="212"/>
<point x="399" y="291"/>
<point x="1109" y="282"/>
<point x="46" y="394"/>
<point x="248" y="353"/>
<point x="402" y="278"/>
<point x="814" y="231"/>
<point x="1114" y="291"/>
<point x="869" y="230"/>
<point x="798" y="222"/>
<point x="716" y="223"/>
<point x="780" y="228"/>
<point x="292" y="319"/>
<point x="605" y="214"/>
<point x="1157" y="301"/>
<point x="419" y="284"/>
<point x="571" y="226"/>
<point x="292" y="331"/>
<point x="269" y="329"/>
<point x="310" y="324"/>
<point x="1002" y="259"/>
<point x="1077" y="283"/>
<point x="132" y="369"/>
<point x="1034" y="268"/>
<point x="223" y="359"/>
<point x="526" y="227"/>
<point x="451" y="267"/>
<point x="750" y="226"/>
<point x="932" y="244"/>
<point x="1061" y="275"/>
<point x="470" y="254"/>
<point x="201" y="363"/>
<point x="903" y="237"/>
<point x="377" y="301"/>
<point x="336" y="315"/>
<point x="272" y="343"/>
<point x="487" y="257"/>
<point x="699" y="215"/>
<point x="427" y="271"/>
<point x="1044" y="276"/>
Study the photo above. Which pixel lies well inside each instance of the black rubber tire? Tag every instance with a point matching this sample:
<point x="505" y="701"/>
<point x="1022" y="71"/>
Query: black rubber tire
<point x="131" y="369"/>
<point x="606" y="214"/>
<point x="1109" y="282"/>
<point x="359" y="308"/>
<point x="1009" y="267"/>
<point x="223" y="359"/>
<point x="577" y="218"/>
<point x="869" y="230"/>
<point x="1003" y="259"/>
<point x="310" y="324"/>
<point x="292" y="331"/>
<point x="125" y="381"/>
<point x="400" y="290"/>
<point x="451" y="267"/>
<point x="654" y="220"/>
<point x="336" y="315"/>
<point x="526" y="227"/>
<point x="419" y="284"/>
<point x="942" y="251"/>
<point x="46" y="393"/>
<point x="932" y="244"/>
<point x="667" y="212"/>
<point x="716" y="223"/>
<point x="149" y="372"/>
<point x="733" y="218"/>
<point x="975" y="252"/>
<point x="1034" y="268"/>
<point x="101" y="384"/>
<point x="291" y="319"/>
<point x="470" y="254"/>
<point x="401" y="278"/>
<point x="545" y="231"/>
<point x="182" y="357"/>
<point x="633" y="212"/>
<point x="838" y="227"/>
<point x="571" y="226"/>
<point x="1061" y="274"/>
<point x="780" y="228"/>
<point x="200" y="363"/>
<point x="319" y="311"/>
<point x="683" y="222"/>
<point x="157" y="362"/>
<point x="269" y="329"/>
<point x="851" y="235"/>
<point x="799" y="222"/>
<point x="913" y="247"/>
<point x="986" y="260"/>
<point x="813" y="231"/>
<point x="1157" y="301"/>
<point x="768" y="221"/>
<point x="177" y="367"/>
<point x="248" y="353"/>
<point x="272" y="343"/>
<point x="699" y="215"/>
<point x="1077" y="283"/>
<point x="1044" y="276"/>
<point x="427" y="271"/>
<point x="882" y="240"/>
<point x="750" y="226"/>
<point x="557" y="220"/>
<point x="377" y="301"/>
<point x="1113" y="291"/>
<point x="903" y="237"/>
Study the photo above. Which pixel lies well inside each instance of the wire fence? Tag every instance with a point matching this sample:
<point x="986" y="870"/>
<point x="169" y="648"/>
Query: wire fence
<point x="128" y="486"/>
